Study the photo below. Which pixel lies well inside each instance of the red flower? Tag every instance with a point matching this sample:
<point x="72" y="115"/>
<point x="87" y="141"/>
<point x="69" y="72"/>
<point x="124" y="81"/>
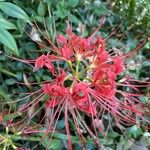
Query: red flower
<point x="53" y="89"/>
<point x="80" y="90"/>
<point x="66" y="52"/>
<point x="81" y="99"/>
<point x="61" y="77"/>
<point x="87" y="82"/>
<point x="61" y="39"/>
<point x="118" y="65"/>
<point x="104" y="82"/>
<point x="42" y="61"/>
<point x="52" y="102"/>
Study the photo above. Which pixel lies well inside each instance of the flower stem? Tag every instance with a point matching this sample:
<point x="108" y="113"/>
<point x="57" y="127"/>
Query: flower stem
<point x="77" y="67"/>
<point x="71" y="67"/>
<point x="61" y="136"/>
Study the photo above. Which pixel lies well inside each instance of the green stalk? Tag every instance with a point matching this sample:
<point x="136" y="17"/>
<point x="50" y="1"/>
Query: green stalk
<point x="61" y="136"/>
<point x="71" y="67"/>
<point x="77" y="67"/>
<point x="8" y="72"/>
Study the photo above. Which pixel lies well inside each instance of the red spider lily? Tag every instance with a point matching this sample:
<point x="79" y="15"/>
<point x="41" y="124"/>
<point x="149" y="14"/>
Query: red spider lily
<point x="54" y="89"/>
<point x="118" y="65"/>
<point x="104" y="82"/>
<point x="88" y="85"/>
<point x="80" y="96"/>
<point x="42" y="61"/>
<point x="89" y="92"/>
<point x="61" y="39"/>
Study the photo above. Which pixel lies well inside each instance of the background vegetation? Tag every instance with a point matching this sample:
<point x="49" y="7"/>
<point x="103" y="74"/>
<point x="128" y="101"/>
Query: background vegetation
<point x="17" y="17"/>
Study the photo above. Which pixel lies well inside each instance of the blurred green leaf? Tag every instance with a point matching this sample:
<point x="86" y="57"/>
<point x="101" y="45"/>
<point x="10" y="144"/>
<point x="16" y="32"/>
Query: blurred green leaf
<point x="73" y="3"/>
<point x="60" y="125"/>
<point x="55" y="144"/>
<point x="11" y="116"/>
<point x="7" y="72"/>
<point x="10" y="81"/>
<point x="8" y="40"/>
<point x="74" y="19"/>
<point x="47" y="1"/>
<point x="6" y="24"/>
<point x="41" y="9"/>
<point x="132" y="5"/>
<point x="101" y="10"/>
<point x="134" y="131"/>
<point x="13" y="11"/>
<point x="21" y="25"/>
<point x="62" y="11"/>
<point x="147" y="45"/>
<point x="4" y="94"/>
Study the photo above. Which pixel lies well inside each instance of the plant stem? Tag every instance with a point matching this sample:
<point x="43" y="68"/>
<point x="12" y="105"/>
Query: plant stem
<point x="61" y="136"/>
<point x="70" y="65"/>
<point x="77" y="67"/>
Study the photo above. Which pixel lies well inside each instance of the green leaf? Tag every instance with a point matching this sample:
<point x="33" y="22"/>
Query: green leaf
<point x="62" y="11"/>
<point x="74" y="19"/>
<point x="4" y="94"/>
<point x="11" y="116"/>
<point x="134" y="131"/>
<point x="55" y="144"/>
<point x="10" y="81"/>
<point x="8" y="72"/>
<point x="21" y="25"/>
<point x="13" y="11"/>
<point x="50" y="145"/>
<point x="60" y="125"/>
<point x="8" y="40"/>
<point x="73" y="3"/>
<point x="48" y="2"/>
<point x="6" y="24"/>
<point x="147" y="45"/>
<point x="41" y="9"/>
<point x="131" y="10"/>
<point x="101" y="10"/>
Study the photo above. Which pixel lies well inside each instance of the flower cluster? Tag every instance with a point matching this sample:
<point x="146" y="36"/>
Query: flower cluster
<point x="87" y="78"/>
<point x="90" y="69"/>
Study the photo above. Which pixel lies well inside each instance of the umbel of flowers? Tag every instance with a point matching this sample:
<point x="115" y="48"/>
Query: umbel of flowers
<point x="88" y="83"/>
